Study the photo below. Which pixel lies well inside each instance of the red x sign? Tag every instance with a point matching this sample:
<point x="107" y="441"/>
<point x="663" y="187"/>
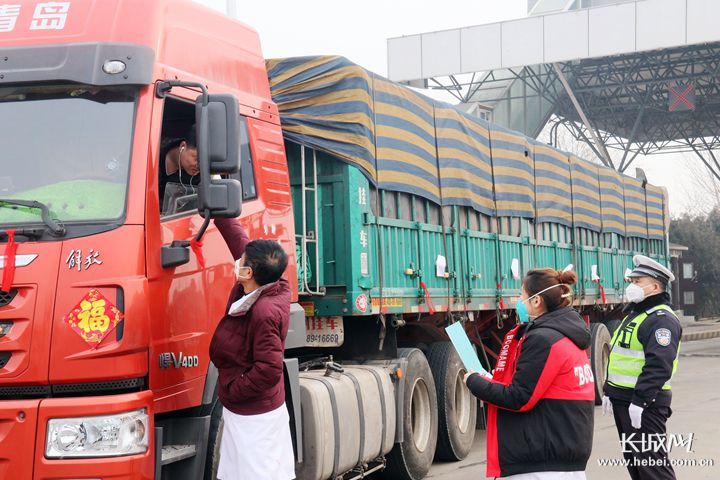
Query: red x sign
<point x="681" y="97"/>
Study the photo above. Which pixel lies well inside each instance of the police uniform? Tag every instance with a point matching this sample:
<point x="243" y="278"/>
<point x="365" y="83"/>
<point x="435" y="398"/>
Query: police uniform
<point x="643" y="359"/>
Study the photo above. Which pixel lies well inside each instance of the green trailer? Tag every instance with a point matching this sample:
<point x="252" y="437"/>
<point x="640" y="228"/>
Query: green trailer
<point x="410" y="215"/>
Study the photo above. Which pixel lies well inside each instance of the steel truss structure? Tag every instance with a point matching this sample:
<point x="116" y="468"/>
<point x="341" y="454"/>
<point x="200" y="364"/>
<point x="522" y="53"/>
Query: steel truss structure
<point x="624" y="97"/>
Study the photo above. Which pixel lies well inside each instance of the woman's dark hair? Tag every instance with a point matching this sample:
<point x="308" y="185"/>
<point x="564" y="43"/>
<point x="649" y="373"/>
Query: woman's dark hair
<point x="267" y="259"/>
<point x="539" y="279"/>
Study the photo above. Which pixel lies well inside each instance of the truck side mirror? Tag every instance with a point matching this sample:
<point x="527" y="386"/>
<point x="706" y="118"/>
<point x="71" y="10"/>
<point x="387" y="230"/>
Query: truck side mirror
<point x="218" y="140"/>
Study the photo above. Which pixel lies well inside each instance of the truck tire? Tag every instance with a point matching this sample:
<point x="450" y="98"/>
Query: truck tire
<point x="212" y="459"/>
<point x="599" y="355"/>
<point x="457" y="407"/>
<point x="412" y="458"/>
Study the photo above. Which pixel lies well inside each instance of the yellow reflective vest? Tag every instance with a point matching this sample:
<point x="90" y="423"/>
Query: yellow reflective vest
<point x="627" y="354"/>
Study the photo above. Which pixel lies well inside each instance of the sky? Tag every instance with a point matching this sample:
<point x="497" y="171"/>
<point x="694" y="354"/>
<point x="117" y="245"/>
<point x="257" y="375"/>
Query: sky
<point x="336" y="27"/>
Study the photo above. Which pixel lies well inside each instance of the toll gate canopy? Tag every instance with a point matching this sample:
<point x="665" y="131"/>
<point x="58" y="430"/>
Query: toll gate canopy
<point x="638" y="77"/>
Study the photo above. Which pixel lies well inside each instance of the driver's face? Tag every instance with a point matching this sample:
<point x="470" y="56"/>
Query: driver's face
<point x="189" y="159"/>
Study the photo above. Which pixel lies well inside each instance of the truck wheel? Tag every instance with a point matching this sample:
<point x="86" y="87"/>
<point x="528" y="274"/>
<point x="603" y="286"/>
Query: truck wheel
<point x="412" y="459"/>
<point x="214" y="438"/>
<point x="457" y="407"/>
<point x="599" y="355"/>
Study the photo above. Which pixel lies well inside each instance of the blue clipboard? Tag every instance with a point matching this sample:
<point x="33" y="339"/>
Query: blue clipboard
<point x="464" y="348"/>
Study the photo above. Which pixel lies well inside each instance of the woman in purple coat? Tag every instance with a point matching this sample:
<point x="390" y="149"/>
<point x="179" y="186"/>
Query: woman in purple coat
<point x="247" y="349"/>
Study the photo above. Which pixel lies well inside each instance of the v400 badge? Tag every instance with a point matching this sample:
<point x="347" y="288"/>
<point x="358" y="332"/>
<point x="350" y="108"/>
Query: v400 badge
<point x="169" y="359"/>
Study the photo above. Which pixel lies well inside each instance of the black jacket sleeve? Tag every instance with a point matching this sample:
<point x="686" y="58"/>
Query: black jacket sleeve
<point x="659" y="358"/>
<point x="534" y="373"/>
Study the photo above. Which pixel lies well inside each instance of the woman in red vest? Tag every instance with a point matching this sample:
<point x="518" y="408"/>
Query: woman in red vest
<point x="541" y="395"/>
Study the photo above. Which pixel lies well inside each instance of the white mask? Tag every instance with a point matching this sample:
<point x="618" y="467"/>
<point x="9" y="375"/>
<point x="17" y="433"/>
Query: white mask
<point x="635" y="293"/>
<point x="239" y="268"/>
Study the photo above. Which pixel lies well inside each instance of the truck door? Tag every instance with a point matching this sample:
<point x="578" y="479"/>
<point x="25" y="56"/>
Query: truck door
<point x="189" y="300"/>
<point x="185" y="301"/>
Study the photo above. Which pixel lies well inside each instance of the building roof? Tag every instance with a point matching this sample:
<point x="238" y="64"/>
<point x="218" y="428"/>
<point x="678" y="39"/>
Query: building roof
<point x="678" y="247"/>
<point x="619" y="29"/>
<point x="645" y="74"/>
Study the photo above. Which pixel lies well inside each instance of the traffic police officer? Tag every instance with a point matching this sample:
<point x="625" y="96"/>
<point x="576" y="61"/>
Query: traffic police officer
<point x="643" y="359"/>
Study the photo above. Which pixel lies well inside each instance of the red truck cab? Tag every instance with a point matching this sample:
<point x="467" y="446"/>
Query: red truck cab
<point x="105" y="319"/>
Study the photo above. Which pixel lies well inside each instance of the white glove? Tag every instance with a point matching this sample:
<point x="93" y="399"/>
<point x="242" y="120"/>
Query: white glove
<point x="635" y="415"/>
<point x="606" y="406"/>
<point x="484" y="373"/>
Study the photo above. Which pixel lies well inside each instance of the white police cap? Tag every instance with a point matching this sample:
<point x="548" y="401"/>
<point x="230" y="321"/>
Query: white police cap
<point x="647" y="267"/>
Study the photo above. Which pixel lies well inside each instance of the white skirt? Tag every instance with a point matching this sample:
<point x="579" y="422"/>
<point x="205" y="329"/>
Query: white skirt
<point x="256" y="447"/>
<point x="547" y="476"/>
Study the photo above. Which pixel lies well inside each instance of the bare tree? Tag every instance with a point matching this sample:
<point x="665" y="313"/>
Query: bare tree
<point x="702" y="188"/>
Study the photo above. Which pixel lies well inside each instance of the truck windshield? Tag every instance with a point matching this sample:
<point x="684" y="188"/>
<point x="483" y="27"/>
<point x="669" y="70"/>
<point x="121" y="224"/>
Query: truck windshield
<point x="67" y="147"/>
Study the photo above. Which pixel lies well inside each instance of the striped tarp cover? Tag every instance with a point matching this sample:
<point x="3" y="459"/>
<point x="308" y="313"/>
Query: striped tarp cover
<point x="612" y="201"/>
<point x="326" y="103"/>
<point x="585" y="194"/>
<point x="635" y="213"/>
<point x="464" y="159"/>
<point x="513" y="173"/>
<point x="655" y="205"/>
<point x="404" y="141"/>
<point x="552" y="185"/>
